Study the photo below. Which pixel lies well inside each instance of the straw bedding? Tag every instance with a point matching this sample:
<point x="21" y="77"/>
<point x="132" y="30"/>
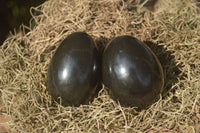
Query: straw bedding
<point x="172" y="31"/>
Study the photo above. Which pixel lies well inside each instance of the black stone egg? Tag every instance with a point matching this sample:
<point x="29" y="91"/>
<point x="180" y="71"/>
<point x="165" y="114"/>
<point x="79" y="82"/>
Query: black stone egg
<point x="74" y="70"/>
<point x="131" y="72"/>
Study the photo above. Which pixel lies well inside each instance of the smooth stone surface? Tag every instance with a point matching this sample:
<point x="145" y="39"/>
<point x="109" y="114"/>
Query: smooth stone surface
<point x="74" y="70"/>
<point x="132" y="72"/>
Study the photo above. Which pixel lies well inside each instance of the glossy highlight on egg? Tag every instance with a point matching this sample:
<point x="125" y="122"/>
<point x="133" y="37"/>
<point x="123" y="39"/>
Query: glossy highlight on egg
<point x="131" y="72"/>
<point x="74" y="70"/>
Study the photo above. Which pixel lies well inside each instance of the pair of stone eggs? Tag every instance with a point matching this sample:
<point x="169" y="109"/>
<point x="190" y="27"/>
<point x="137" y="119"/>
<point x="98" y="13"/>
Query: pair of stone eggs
<point x="128" y="68"/>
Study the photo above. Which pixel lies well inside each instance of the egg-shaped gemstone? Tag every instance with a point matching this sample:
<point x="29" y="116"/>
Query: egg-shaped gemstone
<point x="132" y="72"/>
<point x="74" y="70"/>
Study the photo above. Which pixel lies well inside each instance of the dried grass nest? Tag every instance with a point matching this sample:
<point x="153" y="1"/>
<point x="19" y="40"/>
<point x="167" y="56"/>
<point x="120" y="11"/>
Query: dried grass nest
<point x="173" y="33"/>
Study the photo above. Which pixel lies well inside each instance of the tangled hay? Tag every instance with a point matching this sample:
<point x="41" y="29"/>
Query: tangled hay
<point x="172" y="32"/>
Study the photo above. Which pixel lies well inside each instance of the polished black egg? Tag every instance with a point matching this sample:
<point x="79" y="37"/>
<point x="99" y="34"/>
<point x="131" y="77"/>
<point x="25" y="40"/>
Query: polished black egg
<point x="74" y="70"/>
<point x="132" y="72"/>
